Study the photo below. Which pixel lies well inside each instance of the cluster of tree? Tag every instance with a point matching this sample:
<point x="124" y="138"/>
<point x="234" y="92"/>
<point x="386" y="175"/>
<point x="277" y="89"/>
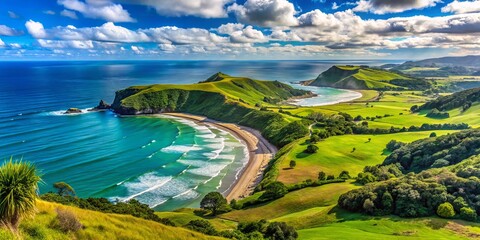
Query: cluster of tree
<point x="435" y="113"/>
<point x="449" y="192"/>
<point x="258" y="230"/>
<point x="436" y="152"/>
<point x="417" y="84"/>
<point x="363" y="128"/>
<point x="131" y="207"/>
<point x="462" y="99"/>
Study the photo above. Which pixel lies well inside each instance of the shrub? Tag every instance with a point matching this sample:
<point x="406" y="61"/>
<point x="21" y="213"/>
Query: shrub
<point x="293" y="163"/>
<point x="67" y="221"/>
<point x="274" y="190"/>
<point x="311" y="149"/>
<point x="344" y="175"/>
<point x="364" y="178"/>
<point x="468" y="214"/>
<point x="280" y="230"/>
<point x="314" y="138"/>
<point x="203" y="226"/>
<point x="445" y="210"/>
<point x="18" y="192"/>
<point x="330" y="177"/>
<point x="322" y="176"/>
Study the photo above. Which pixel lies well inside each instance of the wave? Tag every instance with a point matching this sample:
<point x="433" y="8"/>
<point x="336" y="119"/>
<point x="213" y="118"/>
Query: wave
<point x="145" y="183"/>
<point x="180" y="149"/>
<point x="62" y="112"/>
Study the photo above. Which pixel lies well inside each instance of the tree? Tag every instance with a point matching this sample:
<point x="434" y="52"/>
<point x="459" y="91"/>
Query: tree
<point x="330" y="177"/>
<point x="274" y="190"/>
<point x="322" y="176"/>
<point x="280" y="231"/>
<point x="387" y="201"/>
<point x="18" y="192"/>
<point x="433" y="134"/>
<point x="64" y="189"/>
<point x="293" y="164"/>
<point x="314" y="138"/>
<point x="344" y="175"/>
<point x="468" y="214"/>
<point x="311" y="149"/>
<point x="213" y="201"/>
<point x="368" y="206"/>
<point x="445" y="210"/>
<point x="364" y="178"/>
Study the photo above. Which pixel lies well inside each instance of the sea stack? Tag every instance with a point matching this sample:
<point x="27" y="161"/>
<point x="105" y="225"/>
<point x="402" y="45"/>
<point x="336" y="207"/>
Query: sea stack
<point x="72" y="110"/>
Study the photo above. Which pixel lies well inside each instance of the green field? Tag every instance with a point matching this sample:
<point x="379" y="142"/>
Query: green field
<point x="392" y="228"/>
<point x="336" y="154"/>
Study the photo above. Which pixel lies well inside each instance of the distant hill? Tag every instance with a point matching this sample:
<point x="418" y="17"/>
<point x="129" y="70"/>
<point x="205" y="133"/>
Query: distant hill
<point x="462" y="99"/>
<point x="465" y="61"/>
<point x="364" y="77"/>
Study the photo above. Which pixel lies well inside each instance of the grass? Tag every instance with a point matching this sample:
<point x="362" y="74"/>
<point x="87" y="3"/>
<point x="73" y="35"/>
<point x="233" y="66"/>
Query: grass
<point x="97" y="225"/>
<point x="293" y="202"/>
<point x="391" y="228"/>
<point x="234" y="88"/>
<point x="336" y="154"/>
<point x="183" y="216"/>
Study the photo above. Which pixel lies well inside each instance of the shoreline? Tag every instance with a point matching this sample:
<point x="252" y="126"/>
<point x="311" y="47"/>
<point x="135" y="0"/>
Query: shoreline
<point x="294" y="101"/>
<point x="260" y="152"/>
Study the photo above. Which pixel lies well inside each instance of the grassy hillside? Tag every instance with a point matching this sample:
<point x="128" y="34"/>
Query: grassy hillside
<point x="336" y="155"/>
<point x="97" y="225"/>
<point x="362" y="77"/>
<point x="228" y="99"/>
<point x="245" y="91"/>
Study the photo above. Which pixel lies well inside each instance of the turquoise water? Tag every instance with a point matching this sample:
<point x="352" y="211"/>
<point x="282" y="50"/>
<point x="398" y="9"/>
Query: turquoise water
<point x="325" y="96"/>
<point x="167" y="163"/>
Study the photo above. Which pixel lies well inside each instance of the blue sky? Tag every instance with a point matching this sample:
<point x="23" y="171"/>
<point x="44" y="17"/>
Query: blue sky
<point x="238" y="29"/>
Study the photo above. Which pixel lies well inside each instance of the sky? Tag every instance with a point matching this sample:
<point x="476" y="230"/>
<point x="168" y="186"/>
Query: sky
<point x="238" y="29"/>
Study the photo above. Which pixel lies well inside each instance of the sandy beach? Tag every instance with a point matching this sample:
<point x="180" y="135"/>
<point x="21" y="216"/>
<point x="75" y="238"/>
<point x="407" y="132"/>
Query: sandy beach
<point x="260" y="154"/>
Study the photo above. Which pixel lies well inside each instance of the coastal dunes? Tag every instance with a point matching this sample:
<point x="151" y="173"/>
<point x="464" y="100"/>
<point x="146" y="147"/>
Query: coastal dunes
<point x="260" y="153"/>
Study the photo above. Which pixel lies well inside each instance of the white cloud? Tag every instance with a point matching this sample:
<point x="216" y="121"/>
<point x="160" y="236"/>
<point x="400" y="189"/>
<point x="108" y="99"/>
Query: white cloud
<point x="247" y="35"/>
<point x="392" y="6"/>
<point x="458" y="7"/>
<point x="137" y="50"/>
<point x="335" y="6"/>
<point x="15" y="45"/>
<point x="267" y="13"/>
<point x="229" y="28"/>
<point x="69" y="14"/>
<point x="200" y="8"/>
<point x="7" y="31"/>
<point x="53" y="44"/>
<point x="35" y="29"/>
<point x="2" y="44"/>
<point x="101" y="9"/>
<point x="167" y="47"/>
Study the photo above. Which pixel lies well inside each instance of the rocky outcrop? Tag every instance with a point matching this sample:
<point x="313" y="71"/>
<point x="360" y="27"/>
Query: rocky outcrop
<point x="102" y="106"/>
<point x="72" y="110"/>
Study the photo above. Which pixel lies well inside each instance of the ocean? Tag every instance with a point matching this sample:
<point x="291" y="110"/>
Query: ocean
<point x="166" y="162"/>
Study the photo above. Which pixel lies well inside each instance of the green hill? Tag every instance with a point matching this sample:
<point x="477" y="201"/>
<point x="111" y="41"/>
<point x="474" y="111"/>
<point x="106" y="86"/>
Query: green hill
<point x="463" y="99"/>
<point x="96" y="225"/>
<point x="363" y="77"/>
<point x="222" y="97"/>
